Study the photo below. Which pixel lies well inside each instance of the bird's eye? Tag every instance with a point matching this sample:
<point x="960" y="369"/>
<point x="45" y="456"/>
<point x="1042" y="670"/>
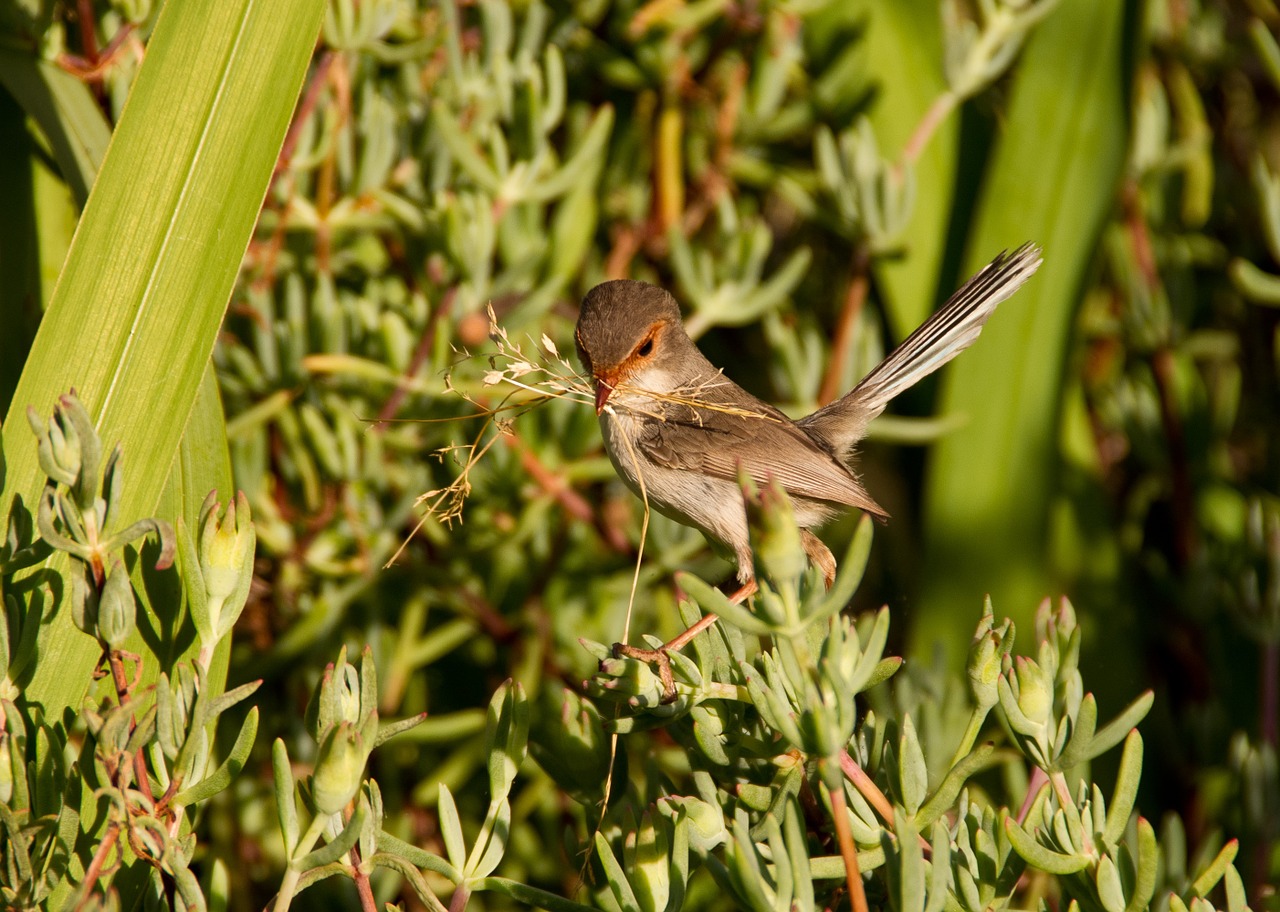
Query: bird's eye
<point x="646" y="348"/>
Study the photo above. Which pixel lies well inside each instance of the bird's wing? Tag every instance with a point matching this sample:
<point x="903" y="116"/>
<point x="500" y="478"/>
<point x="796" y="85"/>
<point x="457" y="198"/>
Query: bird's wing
<point x="766" y="445"/>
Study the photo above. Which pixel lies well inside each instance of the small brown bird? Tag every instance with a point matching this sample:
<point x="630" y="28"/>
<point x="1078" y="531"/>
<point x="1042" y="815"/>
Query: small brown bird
<point x="678" y="431"/>
<point x="670" y="417"/>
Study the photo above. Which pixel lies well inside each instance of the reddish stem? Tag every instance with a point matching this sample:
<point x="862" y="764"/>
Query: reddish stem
<point x="460" y="898"/>
<point x="868" y="789"/>
<point x="843" y="345"/>
<point x="316" y="85"/>
<point x="94" y="871"/>
<point x="495" y="625"/>
<point x="714" y="182"/>
<point x="270" y="250"/>
<point x="1038" y="778"/>
<point x="848" y="851"/>
<point x="88" y="36"/>
<point x="93" y="70"/>
<point x="942" y="106"/>
<point x="364" y="889"/>
<point x="627" y="241"/>
<point x="551" y="484"/>
<point x="118" y="675"/>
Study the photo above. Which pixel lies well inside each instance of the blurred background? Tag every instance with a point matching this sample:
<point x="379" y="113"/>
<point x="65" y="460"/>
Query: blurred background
<point x="810" y="179"/>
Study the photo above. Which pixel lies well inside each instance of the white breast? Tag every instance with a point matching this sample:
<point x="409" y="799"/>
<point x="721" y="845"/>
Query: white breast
<point x="712" y="505"/>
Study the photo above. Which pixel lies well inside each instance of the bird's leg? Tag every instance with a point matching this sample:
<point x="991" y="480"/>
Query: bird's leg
<point x="660" y="656"/>
<point x="819" y="554"/>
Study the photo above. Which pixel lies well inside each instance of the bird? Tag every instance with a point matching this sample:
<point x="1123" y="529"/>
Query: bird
<point x="679" y="432"/>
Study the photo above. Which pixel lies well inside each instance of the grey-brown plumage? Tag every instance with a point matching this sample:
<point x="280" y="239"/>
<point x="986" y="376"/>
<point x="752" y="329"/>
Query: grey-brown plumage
<point x="678" y="431"/>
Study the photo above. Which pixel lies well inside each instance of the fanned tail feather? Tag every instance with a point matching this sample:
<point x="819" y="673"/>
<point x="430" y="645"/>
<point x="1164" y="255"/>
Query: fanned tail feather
<point x="951" y="330"/>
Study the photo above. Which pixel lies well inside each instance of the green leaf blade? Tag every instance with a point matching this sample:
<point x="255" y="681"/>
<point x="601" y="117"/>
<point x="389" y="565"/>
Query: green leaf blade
<point x="138" y="305"/>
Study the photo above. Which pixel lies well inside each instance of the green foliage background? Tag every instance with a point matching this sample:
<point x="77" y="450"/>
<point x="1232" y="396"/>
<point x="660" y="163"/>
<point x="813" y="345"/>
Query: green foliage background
<point x="1113" y="436"/>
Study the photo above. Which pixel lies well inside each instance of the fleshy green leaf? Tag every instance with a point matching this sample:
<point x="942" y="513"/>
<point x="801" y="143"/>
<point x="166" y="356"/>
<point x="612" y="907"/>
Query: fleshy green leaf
<point x="455" y="843"/>
<point x="286" y="802"/>
<point x="1118" y="728"/>
<point x="228" y="769"/>
<point x="1125" y="795"/>
<point x="1039" y="856"/>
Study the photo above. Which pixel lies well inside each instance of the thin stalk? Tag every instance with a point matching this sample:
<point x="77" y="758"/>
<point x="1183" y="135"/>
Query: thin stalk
<point x="870" y="791"/>
<point x="99" y="861"/>
<point x="971" y="732"/>
<point x="364" y="889"/>
<point x="854" y="299"/>
<point x="848" y="851"/>
<point x="933" y="118"/>
<point x="461" y="897"/>
<point x="1038" y="778"/>
<point x="292" y="874"/>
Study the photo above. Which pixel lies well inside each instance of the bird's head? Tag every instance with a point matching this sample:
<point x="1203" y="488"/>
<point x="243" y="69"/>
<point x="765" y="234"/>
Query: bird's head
<point x="626" y="328"/>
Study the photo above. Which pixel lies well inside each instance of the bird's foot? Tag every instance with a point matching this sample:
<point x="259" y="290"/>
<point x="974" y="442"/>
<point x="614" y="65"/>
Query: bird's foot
<point x="655" y="657"/>
<point x="661" y="658"/>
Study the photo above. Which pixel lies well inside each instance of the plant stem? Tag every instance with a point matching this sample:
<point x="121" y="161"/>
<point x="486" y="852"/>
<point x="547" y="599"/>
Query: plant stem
<point x="99" y="861"/>
<point x="942" y="106"/>
<point x="848" y="851"/>
<point x="118" y="676"/>
<point x="553" y="485"/>
<point x="364" y="889"/>
<point x="1038" y="778"/>
<point x="976" y="718"/>
<point x="292" y="874"/>
<point x="460" y="898"/>
<point x="868" y="789"/>
<point x="854" y="298"/>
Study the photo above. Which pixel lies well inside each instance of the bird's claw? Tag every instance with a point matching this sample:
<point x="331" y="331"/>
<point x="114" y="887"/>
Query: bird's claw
<point x="656" y="657"/>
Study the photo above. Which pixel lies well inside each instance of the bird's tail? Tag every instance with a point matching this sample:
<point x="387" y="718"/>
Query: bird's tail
<point x="935" y="342"/>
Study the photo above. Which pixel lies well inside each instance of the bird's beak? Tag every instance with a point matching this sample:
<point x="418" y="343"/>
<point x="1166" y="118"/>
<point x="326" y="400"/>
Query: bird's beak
<point x="603" y="389"/>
